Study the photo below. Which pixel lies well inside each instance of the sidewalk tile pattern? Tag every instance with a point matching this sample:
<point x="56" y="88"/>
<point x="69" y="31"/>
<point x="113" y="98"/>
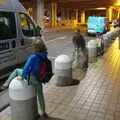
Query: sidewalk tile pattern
<point x="96" y="97"/>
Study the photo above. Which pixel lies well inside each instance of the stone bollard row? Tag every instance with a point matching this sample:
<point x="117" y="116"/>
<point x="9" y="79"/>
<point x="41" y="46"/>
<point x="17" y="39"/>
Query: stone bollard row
<point x="110" y="36"/>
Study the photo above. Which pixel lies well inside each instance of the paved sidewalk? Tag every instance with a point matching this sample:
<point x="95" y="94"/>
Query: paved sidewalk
<point x="96" y="97"/>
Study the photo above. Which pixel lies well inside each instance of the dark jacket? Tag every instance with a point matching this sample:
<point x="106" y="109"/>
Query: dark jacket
<point x="78" y="41"/>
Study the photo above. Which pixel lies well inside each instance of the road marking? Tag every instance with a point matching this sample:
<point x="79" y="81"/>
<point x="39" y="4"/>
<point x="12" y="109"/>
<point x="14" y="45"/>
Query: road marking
<point x="57" y="38"/>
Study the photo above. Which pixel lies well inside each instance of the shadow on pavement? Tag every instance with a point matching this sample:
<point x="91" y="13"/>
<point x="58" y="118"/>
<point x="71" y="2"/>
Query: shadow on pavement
<point x="73" y="82"/>
<point x="50" y="118"/>
<point x="79" y="74"/>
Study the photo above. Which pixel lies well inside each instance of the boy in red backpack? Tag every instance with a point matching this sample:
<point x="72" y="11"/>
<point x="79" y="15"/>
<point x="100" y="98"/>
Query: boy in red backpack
<point x="31" y="69"/>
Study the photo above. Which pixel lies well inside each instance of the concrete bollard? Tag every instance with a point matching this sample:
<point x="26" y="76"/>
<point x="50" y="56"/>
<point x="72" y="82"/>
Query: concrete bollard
<point x="110" y="36"/>
<point x="23" y="100"/>
<point x="108" y="39"/>
<point x="63" y="70"/>
<point x="92" y="50"/>
<point x="106" y="43"/>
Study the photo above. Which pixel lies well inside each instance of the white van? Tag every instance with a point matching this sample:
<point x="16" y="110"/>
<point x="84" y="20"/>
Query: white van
<point x="17" y="30"/>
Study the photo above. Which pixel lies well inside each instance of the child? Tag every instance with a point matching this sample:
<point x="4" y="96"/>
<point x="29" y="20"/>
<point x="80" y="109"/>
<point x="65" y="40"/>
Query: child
<point x="31" y="68"/>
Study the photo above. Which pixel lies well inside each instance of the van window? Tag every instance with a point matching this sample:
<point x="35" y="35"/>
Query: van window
<point x="7" y="25"/>
<point x="27" y="25"/>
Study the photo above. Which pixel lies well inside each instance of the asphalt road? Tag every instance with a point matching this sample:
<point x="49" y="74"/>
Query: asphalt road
<point x="60" y="42"/>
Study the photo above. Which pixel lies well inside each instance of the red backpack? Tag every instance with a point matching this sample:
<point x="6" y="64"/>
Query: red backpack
<point x="45" y="70"/>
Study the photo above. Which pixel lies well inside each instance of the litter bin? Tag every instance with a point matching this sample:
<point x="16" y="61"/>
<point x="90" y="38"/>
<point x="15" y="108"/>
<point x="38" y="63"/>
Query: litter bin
<point x="63" y="70"/>
<point x="92" y="50"/>
<point x="23" y="100"/>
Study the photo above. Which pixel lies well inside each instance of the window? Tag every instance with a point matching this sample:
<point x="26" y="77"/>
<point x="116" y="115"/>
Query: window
<point x="7" y="25"/>
<point x="27" y="25"/>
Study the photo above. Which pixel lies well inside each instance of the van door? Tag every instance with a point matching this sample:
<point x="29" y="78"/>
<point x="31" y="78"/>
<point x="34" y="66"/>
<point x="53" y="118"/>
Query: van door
<point x="28" y="33"/>
<point x="8" y="42"/>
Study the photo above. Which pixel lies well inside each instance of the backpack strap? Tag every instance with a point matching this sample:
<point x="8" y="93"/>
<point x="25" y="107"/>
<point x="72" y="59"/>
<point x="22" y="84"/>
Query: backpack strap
<point x="28" y="77"/>
<point x="38" y="56"/>
<point x="30" y="68"/>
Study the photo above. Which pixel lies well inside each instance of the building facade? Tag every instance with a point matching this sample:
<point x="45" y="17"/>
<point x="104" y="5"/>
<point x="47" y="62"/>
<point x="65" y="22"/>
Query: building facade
<point x="54" y="13"/>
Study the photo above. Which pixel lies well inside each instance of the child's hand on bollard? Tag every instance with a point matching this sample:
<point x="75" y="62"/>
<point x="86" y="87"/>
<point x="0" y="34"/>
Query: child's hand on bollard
<point x="19" y="78"/>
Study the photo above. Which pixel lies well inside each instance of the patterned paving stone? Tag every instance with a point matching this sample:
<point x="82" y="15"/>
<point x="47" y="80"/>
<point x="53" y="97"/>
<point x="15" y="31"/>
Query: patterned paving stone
<point x="96" y="97"/>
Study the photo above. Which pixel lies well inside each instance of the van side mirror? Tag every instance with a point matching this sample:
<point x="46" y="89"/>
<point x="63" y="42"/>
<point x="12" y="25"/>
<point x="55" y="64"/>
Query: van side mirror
<point x="38" y="30"/>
